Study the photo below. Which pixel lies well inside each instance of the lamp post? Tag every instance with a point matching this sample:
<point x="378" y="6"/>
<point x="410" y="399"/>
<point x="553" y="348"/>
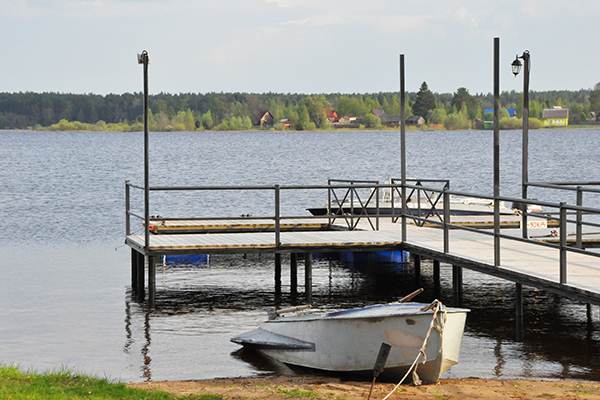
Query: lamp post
<point x="516" y="68"/>
<point x="145" y="60"/>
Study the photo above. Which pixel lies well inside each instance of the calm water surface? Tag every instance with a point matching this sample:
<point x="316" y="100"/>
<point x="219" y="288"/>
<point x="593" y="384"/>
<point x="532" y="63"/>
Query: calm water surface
<point x="64" y="271"/>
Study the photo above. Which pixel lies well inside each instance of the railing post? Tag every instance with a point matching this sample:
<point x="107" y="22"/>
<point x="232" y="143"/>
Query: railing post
<point x="563" y="243"/>
<point x="496" y="232"/>
<point x="277" y="217"/>
<point x="377" y="202"/>
<point x="403" y="211"/>
<point x="329" y="201"/>
<point x="352" y="205"/>
<point x="446" y="221"/>
<point x="579" y="217"/>
<point x="127" y="209"/>
<point x="419" y="202"/>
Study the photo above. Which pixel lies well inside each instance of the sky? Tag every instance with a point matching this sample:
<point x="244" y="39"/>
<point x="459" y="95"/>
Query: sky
<point x="294" y="46"/>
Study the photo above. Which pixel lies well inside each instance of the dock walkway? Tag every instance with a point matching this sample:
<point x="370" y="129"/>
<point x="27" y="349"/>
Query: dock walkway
<point x="524" y="263"/>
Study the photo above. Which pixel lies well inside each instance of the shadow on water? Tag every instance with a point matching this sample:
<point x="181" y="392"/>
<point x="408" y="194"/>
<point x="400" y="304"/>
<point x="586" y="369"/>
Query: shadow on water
<point x="230" y="294"/>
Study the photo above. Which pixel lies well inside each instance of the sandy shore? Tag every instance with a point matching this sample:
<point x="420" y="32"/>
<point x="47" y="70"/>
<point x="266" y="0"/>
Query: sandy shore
<point x="334" y="388"/>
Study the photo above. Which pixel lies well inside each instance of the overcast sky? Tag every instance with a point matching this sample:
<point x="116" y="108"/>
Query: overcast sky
<point x="294" y="46"/>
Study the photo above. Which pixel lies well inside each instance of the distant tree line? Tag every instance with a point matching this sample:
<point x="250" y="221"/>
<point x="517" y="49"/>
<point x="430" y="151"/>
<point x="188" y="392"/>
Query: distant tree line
<point x="239" y="111"/>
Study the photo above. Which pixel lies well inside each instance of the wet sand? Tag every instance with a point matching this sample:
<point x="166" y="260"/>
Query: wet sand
<point x="334" y="388"/>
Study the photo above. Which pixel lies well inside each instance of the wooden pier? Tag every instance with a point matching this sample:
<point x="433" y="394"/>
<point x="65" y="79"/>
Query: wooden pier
<point x="525" y="263"/>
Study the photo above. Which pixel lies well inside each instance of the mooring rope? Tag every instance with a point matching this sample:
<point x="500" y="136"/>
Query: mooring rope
<point x="437" y="306"/>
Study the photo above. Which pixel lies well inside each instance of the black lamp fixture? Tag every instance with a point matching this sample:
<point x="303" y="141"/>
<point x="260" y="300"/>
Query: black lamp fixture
<point x="516" y="65"/>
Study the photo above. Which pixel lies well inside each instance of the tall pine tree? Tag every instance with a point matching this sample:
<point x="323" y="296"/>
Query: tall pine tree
<point x="425" y="101"/>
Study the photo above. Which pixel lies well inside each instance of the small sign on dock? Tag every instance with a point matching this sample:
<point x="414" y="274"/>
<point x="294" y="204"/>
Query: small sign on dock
<point x="537" y="224"/>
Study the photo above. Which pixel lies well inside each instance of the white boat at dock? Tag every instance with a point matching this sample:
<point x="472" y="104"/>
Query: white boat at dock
<point x="348" y="341"/>
<point x="420" y="203"/>
<point x="458" y="206"/>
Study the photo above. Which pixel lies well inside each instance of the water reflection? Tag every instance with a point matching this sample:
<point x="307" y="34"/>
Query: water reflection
<point x="199" y="308"/>
<point x="134" y="309"/>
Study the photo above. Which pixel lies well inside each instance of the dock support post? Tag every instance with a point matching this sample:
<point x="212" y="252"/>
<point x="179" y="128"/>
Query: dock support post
<point x="457" y="285"/>
<point x="134" y="269"/>
<point x="436" y="279"/>
<point x="519" y="310"/>
<point x="294" y="276"/>
<point x="151" y="281"/>
<point x="141" y="272"/>
<point x="277" y="278"/>
<point x="417" y="269"/>
<point x="308" y="277"/>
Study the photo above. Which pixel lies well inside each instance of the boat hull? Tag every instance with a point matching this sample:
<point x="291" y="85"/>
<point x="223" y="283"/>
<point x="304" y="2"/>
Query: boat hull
<point x="349" y="341"/>
<point x="321" y="211"/>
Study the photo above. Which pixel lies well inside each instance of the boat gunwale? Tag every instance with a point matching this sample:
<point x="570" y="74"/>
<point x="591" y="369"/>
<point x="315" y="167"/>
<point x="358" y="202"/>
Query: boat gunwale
<point x="362" y="313"/>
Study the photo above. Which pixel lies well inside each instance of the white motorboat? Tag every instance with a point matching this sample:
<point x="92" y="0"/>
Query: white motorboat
<point x="419" y="203"/>
<point x="348" y="341"/>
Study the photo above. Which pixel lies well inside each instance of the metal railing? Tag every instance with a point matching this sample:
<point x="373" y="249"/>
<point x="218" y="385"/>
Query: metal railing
<point x="353" y="201"/>
<point x="579" y="188"/>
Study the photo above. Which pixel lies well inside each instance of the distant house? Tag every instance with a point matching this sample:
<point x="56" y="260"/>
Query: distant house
<point x="556" y="116"/>
<point x="332" y="115"/>
<point x="415" y="120"/>
<point x="263" y="119"/>
<point x="347" y="119"/>
<point x="390" y="120"/>
<point x="286" y="122"/>
<point x="378" y="112"/>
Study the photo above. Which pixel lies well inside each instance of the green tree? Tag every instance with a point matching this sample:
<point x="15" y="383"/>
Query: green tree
<point x="372" y="121"/>
<point x="437" y="116"/>
<point x="595" y="99"/>
<point x="152" y="125"/>
<point x="351" y="106"/>
<point x="188" y="120"/>
<point x="207" y="121"/>
<point x="424" y="102"/>
<point x="462" y="96"/>
<point x="217" y="109"/>
<point x="315" y="106"/>
<point x="303" y="119"/>
<point x="458" y="120"/>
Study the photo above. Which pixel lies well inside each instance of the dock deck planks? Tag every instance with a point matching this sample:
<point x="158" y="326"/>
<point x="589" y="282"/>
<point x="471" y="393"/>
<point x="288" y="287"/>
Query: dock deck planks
<point x="265" y="241"/>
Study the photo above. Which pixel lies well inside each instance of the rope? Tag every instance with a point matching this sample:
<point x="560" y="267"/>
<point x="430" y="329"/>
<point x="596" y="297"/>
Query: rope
<point x="437" y="306"/>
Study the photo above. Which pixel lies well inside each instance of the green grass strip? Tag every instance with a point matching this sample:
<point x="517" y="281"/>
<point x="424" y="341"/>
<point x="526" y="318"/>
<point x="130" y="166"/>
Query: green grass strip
<point x="63" y="383"/>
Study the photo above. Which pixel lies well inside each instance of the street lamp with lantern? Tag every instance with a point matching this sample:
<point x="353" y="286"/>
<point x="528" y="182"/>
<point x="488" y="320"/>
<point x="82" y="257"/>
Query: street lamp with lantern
<point x="516" y="68"/>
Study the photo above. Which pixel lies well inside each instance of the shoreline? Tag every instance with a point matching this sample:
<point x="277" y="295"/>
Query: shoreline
<point x="323" y="387"/>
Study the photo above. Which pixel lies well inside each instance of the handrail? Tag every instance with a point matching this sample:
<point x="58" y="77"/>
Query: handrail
<point x="433" y="195"/>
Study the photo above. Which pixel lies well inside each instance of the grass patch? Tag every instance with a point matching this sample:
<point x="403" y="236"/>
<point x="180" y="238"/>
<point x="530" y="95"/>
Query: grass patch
<point x="64" y="383"/>
<point x="298" y="392"/>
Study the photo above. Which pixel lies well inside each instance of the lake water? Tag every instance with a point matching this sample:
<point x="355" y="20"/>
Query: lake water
<point x="65" y="274"/>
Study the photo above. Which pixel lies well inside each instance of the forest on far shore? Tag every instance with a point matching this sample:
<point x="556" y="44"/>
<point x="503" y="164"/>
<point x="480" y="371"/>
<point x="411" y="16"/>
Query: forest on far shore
<point x="242" y="111"/>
